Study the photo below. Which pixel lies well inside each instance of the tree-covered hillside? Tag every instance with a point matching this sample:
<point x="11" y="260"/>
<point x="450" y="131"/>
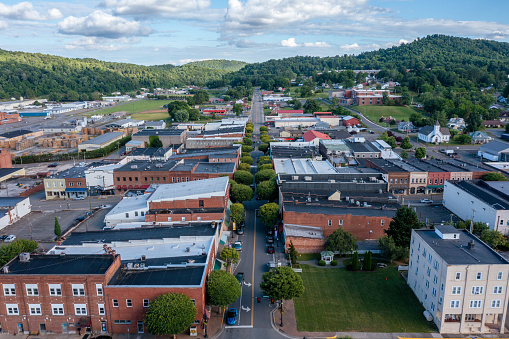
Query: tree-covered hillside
<point x="227" y="65"/>
<point x="33" y="75"/>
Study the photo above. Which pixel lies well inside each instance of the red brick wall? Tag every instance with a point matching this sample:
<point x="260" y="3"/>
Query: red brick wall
<point x="178" y="217"/>
<point x="5" y="159"/>
<point x="189" y="203"/>
<point x="306" y="245"/>
<point x="54" y="322"/>
<point x="77" y="182"/>
<point x="432" y="176"/>
<point x="361" y="226"/>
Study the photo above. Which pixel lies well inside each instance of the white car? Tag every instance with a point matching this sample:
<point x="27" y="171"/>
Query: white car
<point x="78" y="198"/>
<point x="10" y="238"/>
<point x="426" y="201"/>
<point x="105" y="206"/>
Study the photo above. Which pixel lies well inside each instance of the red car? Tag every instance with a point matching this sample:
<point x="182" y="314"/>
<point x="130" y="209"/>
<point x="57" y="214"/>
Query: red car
<point x="270" y="249"/>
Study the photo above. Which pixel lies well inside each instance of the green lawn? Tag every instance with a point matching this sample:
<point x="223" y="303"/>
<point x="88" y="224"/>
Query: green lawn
<point x="339" y="300"/>
<point x="151" y="116"/>
<point x="376" y="112"/>
<point x="133" y="107"/>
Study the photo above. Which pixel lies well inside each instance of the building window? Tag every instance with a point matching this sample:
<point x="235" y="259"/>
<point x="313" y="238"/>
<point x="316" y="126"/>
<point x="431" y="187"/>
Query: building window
<point x="135" y="213"/>
<point x="427" y="283"/>
<point x="183" y="218"/>
<point x="456" y="290"/>
<point x="475" y="303"/>
<point x="164" y="179"/>
<point x="35" y="309"/>
<point x="435" y="265"/>
<point x="173" y="179"/>
<point x="135" y="178"/>
<point x="455" y="304"/>
<point x="123" y="179"/>
<point x="440" y="300"/>
<point x="130" y="178"/>
<point x="434" y="292"/>
<point x="442" y="287"/>
<point x="142" y="213"/>
<point x="127" y="215"/>
<point x="32" y="289"/>
<point x="169" y="218"/>
<point x="78" y="289"/>
<point x="433" y="307"/>
<point x="477" y="289"/>
<point x="495" y="304"/>
<point x="435" y="279"/>
<point x="71" y="184"/>
<point x="178" y="179"/>
<point x="115" y="302"/>
<point x="158" y="179"/>
<point x="341" y="223"/>
<point x="118" y="178"/>
<point x="479" y="276"/>
<point x="122" y="322"/>
<point x="497" y="290"/>
<point x="429" y="258"/>
<point x="201" y="203"/>
<point x="458" y="276"/>
<point x="146" y="179"/>
<point x="499" y="275"/>
<point x="12" y="309"/>
<point x="55" y="289"/>
<point x="57" y="309"/>
<point x="80" y="309"/>
<point x="330" y="222"/>
<point x="9" y="289"/>
<point x="382" y="222"/>
<point x="102" y="310"/>
<point x="79" y="183"/>
<point x="99" y="289"/>
<point x="145" y="302"/>
<point x="469" y="317"/>
<point x="129" y="302"/>
<point x="428" y="271"/>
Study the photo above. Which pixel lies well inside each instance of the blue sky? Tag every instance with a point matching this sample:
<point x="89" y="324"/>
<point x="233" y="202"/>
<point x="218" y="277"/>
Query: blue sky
<point x="152" y="32"/>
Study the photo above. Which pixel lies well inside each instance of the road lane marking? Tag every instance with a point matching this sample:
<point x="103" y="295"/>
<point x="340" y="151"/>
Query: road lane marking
<point x="253" y="279"/>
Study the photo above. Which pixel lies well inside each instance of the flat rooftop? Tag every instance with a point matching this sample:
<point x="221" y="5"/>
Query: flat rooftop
<point x="218" y="167"/>
<point x="184" y="276"/>
<point x="61" y="265"/>
<point x="362" y="147"/>
<point x="302" y="166"/>
<point x="149" y="151"/>
<point x="386" y="165"/>
<point x="14" y="134"/>
<point x="456" y="251"/>
<point x="10" y="201"/>
<point x="103" y="138"/>
<point x="145" y="165"/>
<point x="190" y="190"/>
<point x="160" y="132"/>
<point x="484" y="192"/>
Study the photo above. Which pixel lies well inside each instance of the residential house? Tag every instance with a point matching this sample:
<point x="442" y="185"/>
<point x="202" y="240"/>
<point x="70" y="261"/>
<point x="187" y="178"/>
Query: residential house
<point x="406" y="127"/>
<point x="479" y="137"/>
<point x="457" y="123"/>
<point x="493" y="123"/>
<point x="314" y="137"/>
<point x="350" y="121"/>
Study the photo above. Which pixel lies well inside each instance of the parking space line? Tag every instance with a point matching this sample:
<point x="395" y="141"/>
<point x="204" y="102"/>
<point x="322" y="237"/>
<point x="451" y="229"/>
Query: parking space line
<point x="253" y="273"/>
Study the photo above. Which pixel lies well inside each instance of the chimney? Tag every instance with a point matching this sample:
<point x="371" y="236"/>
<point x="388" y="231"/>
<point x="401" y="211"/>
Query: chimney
<point x="471" y="245"/>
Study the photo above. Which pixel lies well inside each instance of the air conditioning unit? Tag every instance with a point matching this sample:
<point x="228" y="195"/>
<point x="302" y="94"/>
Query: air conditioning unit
<point x="134" y="166"/>
<point x="24" y="257"/>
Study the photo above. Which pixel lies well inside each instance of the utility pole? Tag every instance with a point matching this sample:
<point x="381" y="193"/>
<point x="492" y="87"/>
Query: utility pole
<point x="472" y="221"/>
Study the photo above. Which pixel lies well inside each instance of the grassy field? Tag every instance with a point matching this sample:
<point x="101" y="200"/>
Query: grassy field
<point x="133" y="107"/>
<point x="339" y="300"/>
<point x="151" y="116"/>
<point x="376" y="112"/>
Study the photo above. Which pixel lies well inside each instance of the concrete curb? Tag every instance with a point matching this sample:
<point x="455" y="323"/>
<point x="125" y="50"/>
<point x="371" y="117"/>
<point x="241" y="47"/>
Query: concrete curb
<point x="277" y="328"/>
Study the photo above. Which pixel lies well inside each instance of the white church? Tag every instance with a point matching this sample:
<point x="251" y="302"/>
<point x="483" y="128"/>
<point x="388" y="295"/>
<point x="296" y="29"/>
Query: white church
<point x="434" y="134"/>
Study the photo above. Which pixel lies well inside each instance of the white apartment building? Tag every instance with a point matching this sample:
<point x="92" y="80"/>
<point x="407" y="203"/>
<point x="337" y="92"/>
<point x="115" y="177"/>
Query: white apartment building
<point x="461" y="282"/>
<point x="478" y="200"/>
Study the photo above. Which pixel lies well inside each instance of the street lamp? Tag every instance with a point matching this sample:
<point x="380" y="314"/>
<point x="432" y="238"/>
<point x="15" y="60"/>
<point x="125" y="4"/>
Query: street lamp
<point x="281" y="312"/>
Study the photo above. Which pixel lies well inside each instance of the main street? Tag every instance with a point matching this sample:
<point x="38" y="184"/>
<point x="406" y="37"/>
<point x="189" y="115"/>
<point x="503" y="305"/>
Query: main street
<point x="254" y="317"/>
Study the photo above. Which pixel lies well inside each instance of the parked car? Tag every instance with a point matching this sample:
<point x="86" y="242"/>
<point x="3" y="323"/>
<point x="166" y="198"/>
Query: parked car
<point x="426" y="201"/>
<point x="270" y="249"/>
<point x="240" y="277"/>
<point x="240" y="230"/>
<point x="3" y="237"/>
<point x="78" y="198"/>
<point x="270" y="231"/>
<point x="10" y="238"/>
<point x="55" y="164"/>
<point x="231" y="316"/>
<point x="238" y="245"/>
<point x="81" y="218"/>
<point x="105" y="206"/>
<point x="270" y="239"/>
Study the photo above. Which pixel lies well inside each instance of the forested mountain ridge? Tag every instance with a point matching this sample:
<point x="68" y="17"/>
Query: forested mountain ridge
<point x="34" y="74"/>
<point x="470" y="57"/>
<point x="227" y="65"/>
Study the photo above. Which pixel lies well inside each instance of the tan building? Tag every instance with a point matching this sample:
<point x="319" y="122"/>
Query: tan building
<point x="461" y="282"/>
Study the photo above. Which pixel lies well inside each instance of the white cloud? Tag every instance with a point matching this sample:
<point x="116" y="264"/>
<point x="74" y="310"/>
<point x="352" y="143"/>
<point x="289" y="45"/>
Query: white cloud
<point x="320" y="44"/>
<point x="289" y="43"/>
<point x="178" y="9"/>
<point x="186" y="61"/>
<point x="26" y="11"/>
<point x="103" y="44"/>
<point x="101" y="24"/>
<point x="347" y="47"/>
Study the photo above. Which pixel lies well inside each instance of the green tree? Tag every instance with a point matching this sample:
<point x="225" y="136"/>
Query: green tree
<point x="269" y="214"/>
<point x="420" y="153"/>
<point x="243" y="177"/>
<point x="404" y="154"/>
<point x="246" y="159"/>
<point x="311" y="106"/>
<point x="249" y="129"/>
<point x="385" y="98"/>
<point x="505" y="92"/>
<point x="237" y="109"/>
<point x="222" y="288"/>
<point x="57" y="230"/>
<point x="200" y="96"/>
<point x="400" y="227"/>
<point x="181" y="116"/>
<point x="297" y="104"/>
<point x="264" y="138"/>
<point x="10" y="251"/>
<point x="341" y="241"/>
<point x="247" y="141"/>
<point x="194" y="114"/>
<point x="264" y="128"/>
<point x="170" y="313"/>
<point x="241" y="192"/>
<point x="245" y="167"/>
<point x="264" y="175"/>
<point x="389" y="249"/>
<point x="493" y="238"/>
<point x="267" y="190"/>
<point x="405" y="144"/>
<point x="494" y="176"/>
<point x="477" y="227"/>
<point x="154" y="141"/>
<point x="177" y="105"/>
<point x="355" y="261"/>
<point x="293" y="253"/>
<point x="392" y="142"/>
<point x="463" y="139"/>
<point x="367" y="265"/>
<point x="264" y="159"/>
<point x="282" y="284"/>
<point x="406" y="98"/>
<point x="247" y="149"/>
<point x="265" y="167"/>
<point x="230" y="256"/>
<point x="237" y="212"/>
<point x="263" y="147"/>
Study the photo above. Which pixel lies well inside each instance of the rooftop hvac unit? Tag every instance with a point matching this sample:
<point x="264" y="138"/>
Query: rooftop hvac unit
<point x="134" y="166"/>
<point x="143" y="257"/>
<point x="129" y="265"/>
<point x="308" y="178"/>
<point x="191" y="261"/>
<point x="136" y="265"/>
<point x="159" y="165"/>
<point x="188" y="249"/>
<point x="357" y="203"/>
<point x="6" y="269"/>
<point x="24" y="257"/>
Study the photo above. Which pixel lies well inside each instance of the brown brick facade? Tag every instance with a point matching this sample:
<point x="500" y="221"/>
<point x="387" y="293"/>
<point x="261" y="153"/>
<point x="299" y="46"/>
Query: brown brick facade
<point x="306" y="245"/>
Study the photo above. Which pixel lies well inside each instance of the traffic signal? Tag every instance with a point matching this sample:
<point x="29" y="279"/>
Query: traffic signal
<point x="258" y="299"/>
<point x="272" y="300"/>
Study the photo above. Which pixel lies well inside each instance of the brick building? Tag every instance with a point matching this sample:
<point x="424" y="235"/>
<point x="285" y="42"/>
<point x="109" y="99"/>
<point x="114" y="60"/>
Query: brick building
<point x="314" y="206"/>
<point x="140" y="174"/>
<point x="5" y="158"/>
<point x="56" y="293"/>
<point x="168" y="136"/>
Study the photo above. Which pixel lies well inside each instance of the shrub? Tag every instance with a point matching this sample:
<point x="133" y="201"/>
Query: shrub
<point x="321" y="263"/>
<point x="355" y="261"/>
<point x="334" y="263"/>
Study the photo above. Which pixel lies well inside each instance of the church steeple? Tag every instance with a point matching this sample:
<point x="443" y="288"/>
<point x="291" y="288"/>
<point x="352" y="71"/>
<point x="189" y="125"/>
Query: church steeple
<point x="436" y="128"/>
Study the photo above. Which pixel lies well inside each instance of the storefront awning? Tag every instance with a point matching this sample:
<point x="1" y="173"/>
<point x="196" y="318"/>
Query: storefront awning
<point x="136" y="186"/>
<point x="124" y="187"/>
<point x="119" y="187"/>
<point x="76" y="189"/>
<point x="435" y="186"/>
<point x="130" y="186"/>
<point x="143" y="187"/>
